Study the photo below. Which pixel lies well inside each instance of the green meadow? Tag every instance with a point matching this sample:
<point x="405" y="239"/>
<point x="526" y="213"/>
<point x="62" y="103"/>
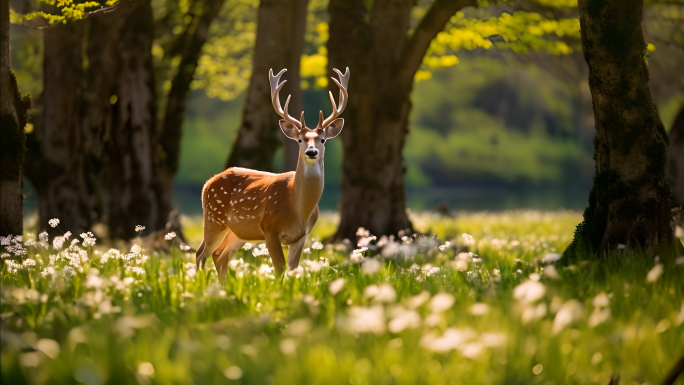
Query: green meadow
<point x="481" y="298"/>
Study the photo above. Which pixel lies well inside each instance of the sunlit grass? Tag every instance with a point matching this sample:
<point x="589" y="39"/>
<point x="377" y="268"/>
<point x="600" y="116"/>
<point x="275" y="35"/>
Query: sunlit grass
<point x="417" y="312"/>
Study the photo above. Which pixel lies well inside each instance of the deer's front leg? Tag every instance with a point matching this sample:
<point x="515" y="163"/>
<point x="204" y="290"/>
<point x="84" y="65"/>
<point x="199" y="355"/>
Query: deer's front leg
<point x="295" y="249"/>
<point x="275" y="250"/>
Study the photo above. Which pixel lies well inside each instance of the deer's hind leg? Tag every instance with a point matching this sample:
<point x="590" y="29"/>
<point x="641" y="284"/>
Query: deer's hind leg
<point x="213" y="234"/>
<point x="224" y="253"/>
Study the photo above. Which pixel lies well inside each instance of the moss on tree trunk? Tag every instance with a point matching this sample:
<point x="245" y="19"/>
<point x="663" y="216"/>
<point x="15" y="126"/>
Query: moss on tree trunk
<point x="629" y="203"/>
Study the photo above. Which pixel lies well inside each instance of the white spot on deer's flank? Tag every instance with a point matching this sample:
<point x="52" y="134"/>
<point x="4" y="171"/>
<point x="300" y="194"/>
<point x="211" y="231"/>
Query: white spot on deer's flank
<point x="241" y="199"/>
<point x="269" y="197"/>
<point x="218" y="201"/>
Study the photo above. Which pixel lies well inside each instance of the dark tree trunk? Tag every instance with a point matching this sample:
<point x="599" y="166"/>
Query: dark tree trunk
<point x="62" y="191"/>
<point x="383" y="59"/>
<point x="279" y="44"/>
<point x="101" y="79"/>
<point x="630" y="201"/>
<point x="132" y="140"/>
<point x="296" y="42"/>
<point x="174" y="115"/>
<point x="675" y="165"/>
<point x="13" y="113"/>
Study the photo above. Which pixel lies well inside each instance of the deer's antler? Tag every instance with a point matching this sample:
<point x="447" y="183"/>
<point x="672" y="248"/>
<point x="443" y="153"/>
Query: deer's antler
<point x="276" y="86"/>
<point x="342" y="83"/>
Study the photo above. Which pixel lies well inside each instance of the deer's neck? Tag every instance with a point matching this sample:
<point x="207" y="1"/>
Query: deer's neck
<point x="308" y="186"/>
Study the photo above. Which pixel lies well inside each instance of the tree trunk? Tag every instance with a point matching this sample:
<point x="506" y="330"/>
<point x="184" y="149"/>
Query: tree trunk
<point x="675" y="165"/>
<point x="63" y="193"/>
<point x="13" y="113"/>
<point x="279" y="44"/>
<point x="174" y="115"/>
<point x="103" y="66"/>
<point x="132" y="141"/>
<point x="383" y="59"/>
<point x="630" y="201"/>
<point x="290" y="147"/>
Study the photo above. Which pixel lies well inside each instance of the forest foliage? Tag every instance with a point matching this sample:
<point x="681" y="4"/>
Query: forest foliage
<point x="469" y="137"/>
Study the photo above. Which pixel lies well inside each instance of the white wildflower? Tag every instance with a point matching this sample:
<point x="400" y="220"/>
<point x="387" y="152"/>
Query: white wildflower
<point x="233" y="373"/>
<point x="371" y="266"/>
<point x="478" y="309"/>
<point x="532" y="312"/>
<point x="450" y="340"/>
<point x="551" y="272"/>
<point x="88" y="239"/>
<point x="444" y="246"/>
<point x="491" y="340"/>
<point x="57" y="243"/>
<point x="184" y="247"/>
<point x="139" y="228"/>
<point x="336" y="286"/>
<point x="6" y="241"/>
<point x="260" y="251"/>
<point x="467" y="237"/>
<point x="29" y="262"/>
<point x="247" y="246"/>
<point x="50" y="270"/>
<point x="404" y="319"/>
<point x="49" y="347"/>
<point x="655" y="273"/>
<point x="441" y="302"/>
<point x="317" y="246"/>
<point x="145" y="369"/>
<point x="170" y="236"/>
<point x="43" y="240"/>
<point x="385" y="294"/>
<point x="5" y="255"/>
<point x="307" y="251"/>
<point x="529" y="291"/>
<point x="54" y="222"/>
<point x="12" y="266"/>
<point x="364" y="320"/>
<point x="551" y="257"/>
<point x="417" y="300"/>
<point x="570" y="311"/>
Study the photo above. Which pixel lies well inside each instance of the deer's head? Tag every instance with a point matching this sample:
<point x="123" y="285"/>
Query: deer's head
<point x="311" y="141"/>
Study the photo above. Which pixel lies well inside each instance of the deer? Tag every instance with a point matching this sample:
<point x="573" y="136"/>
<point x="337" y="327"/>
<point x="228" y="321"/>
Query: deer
<point x="241" y="205"/>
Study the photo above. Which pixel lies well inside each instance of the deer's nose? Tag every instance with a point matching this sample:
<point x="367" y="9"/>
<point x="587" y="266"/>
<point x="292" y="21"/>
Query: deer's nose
<point x="311" y="152"/>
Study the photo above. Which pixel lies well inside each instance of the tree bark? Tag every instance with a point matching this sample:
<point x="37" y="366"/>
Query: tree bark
<point x="675" y="165"/>
<point x="63" y="193"/>
<point x="13" y="113"/>
<point x="101" y="79"/>
<point x="630" y="201"/>
<point x="132" y="142"/>
<point x="279" y="44"/>
<point x="384" y="59"/>
<point x="174" y="114"/>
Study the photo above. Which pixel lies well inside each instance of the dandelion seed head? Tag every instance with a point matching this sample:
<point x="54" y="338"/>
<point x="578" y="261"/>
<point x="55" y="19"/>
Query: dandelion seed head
<point x="54" y="222"/>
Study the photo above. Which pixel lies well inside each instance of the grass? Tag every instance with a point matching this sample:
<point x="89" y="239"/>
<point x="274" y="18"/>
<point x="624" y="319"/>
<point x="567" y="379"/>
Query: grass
<point x="419" y="315"/>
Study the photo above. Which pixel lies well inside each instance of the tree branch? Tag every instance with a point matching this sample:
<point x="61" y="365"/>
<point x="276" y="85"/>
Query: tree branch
<point x="102" y="10"/>
<point x="432" y="23"/>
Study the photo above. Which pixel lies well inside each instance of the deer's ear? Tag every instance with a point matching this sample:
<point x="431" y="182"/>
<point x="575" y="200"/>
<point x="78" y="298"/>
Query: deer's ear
<point x="334" y="128"/>
<point x="289" y="129"/>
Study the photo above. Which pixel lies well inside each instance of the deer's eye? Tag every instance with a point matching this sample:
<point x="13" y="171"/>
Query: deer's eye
<point x="299" y="140"/>
<point x="322" y="140"/>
